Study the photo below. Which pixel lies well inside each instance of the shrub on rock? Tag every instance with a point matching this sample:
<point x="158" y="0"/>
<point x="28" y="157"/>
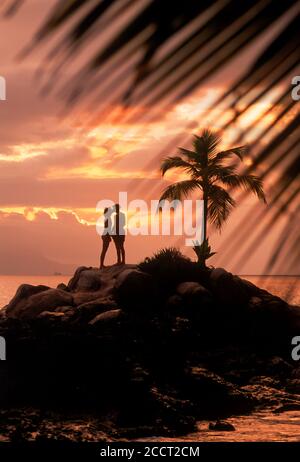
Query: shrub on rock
<point x="169" y="267"/>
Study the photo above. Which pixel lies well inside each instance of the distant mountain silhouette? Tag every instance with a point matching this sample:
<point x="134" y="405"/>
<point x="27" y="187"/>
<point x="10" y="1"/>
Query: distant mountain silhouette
<point x="12" y="262"/>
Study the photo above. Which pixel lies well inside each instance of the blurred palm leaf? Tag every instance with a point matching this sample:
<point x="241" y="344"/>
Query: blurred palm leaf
<point x="150" y="52"/>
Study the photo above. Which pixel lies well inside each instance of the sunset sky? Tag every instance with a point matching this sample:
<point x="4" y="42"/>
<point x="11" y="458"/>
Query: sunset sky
<point x="56" y="166"/>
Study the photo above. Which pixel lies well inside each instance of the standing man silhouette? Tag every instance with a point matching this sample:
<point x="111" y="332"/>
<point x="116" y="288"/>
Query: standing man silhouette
<point x="119" y="234"/>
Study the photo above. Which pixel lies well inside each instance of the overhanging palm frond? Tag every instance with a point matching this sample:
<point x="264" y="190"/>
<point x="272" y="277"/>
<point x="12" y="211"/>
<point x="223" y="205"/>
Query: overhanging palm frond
<point x="177" y="46"/>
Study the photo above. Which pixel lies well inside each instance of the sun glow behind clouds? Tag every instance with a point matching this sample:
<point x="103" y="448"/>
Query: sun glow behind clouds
<point x="84" y="216"/>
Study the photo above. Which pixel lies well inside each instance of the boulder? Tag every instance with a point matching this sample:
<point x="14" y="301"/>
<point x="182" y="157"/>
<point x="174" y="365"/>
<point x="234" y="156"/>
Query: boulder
<point x="73" y="281"/>
<point x="87" y="311"/>
<point x="51" y="315"/>
<point x="174" y="303"/>
<point x="135" y="289"/>
<point x="22" y="294"/>
<point x="35" y="302"/>
<point x="187" y="289"/>
<point x="81" y="298"/>
<point x="194" y="294"/>
<point x="85" y="280"/>
<point x="230" y="290"/>
<point x="62" y="286"/>
<point x="106" y="317"/>
<point x="64" y="309"/>
<point x="221" y="426"/>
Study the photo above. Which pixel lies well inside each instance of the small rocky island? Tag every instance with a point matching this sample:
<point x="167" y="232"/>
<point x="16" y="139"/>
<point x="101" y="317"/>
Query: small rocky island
<point x="143" y="350"/>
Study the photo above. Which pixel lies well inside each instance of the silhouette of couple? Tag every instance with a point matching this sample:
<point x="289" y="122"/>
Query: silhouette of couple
<point x="114" y="229"/>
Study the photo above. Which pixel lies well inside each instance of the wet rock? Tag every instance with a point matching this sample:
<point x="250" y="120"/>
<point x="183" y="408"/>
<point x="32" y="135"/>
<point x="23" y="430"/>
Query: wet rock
<point x="221" y="426"/>
<point x="287" y="407"/>
<point x="265" y="381"/>
<point x="293" y="386"/>
<point x="214" y="395"/>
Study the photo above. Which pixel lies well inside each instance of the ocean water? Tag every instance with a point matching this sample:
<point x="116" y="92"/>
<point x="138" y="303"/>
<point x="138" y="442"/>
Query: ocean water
<point x="10" y="284"/>
<point x="286" y="287"/>
<point x="262" y="426"/>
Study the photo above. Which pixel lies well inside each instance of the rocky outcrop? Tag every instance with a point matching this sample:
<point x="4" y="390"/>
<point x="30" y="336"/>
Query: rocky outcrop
<point x="153" y="360"/>
<point x="29" y="302"/>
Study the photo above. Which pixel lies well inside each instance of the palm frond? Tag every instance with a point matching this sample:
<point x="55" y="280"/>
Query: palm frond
<point x="207" y="142"/>
<point x="177" y="46"/>
<point x="220" y="204"/>
<point x="179" y="190"/>
<point x="177" y="162"/>
<point x="190" y="155"/>
<point x="239" y="151"/>
<point x="251" y="183"/>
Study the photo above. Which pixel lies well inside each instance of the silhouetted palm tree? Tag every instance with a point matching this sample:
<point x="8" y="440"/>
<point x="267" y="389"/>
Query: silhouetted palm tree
<point x="208" y="173"/>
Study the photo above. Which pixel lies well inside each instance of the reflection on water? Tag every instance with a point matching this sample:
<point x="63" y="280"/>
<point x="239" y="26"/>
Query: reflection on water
<point x="260" y="426"/>
<point x="286" y="287"/>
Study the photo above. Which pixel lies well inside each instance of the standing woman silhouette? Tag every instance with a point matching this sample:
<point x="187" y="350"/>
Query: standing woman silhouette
<point x="106" y="235"/>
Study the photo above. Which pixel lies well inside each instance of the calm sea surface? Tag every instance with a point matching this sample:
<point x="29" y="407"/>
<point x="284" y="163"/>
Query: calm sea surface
<point x="286" y="287"/>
